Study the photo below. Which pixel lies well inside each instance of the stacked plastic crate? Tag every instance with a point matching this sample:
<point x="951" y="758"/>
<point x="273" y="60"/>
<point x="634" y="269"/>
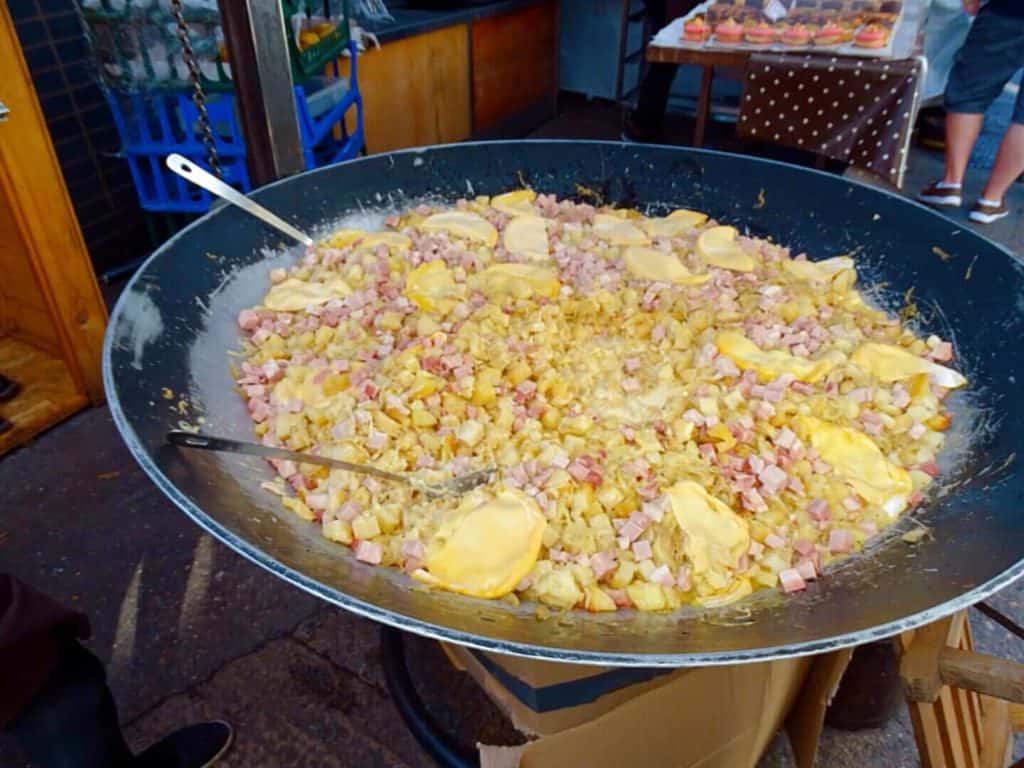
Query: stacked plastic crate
<point x="146" y="80"/>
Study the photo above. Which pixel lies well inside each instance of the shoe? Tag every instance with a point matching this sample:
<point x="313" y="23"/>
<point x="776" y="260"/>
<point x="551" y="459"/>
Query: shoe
<point x="942" y="194"/>
<point x="634" y="133"/>
<point x="8" y="388"/>
<point x="5" y="425"/>
<point x="195" y="746"/>
<point x="987" y="211"/>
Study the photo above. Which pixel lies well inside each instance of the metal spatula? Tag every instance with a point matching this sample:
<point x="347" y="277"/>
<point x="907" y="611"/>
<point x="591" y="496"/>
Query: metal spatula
<point x="454" y="487"/>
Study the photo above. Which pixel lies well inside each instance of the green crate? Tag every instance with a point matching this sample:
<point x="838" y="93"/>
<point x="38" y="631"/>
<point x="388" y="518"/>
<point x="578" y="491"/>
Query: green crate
<point x="136" y="46"/>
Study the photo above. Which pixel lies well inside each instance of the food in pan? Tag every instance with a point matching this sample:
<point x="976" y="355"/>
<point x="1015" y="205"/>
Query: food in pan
<point x="872" y="36"/>
<point x="796" y="35"/>
<point x="728" y="32"/>
<point x="832" y="34"/>
<point x="761" y="34"/>
<point x="678" y="413"/>
<point x="696" y="30"/>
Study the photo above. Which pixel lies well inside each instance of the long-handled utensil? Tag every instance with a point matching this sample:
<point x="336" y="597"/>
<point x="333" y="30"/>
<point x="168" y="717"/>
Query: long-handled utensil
<point x="192" y="172"/>
<point x="454" y="487"/>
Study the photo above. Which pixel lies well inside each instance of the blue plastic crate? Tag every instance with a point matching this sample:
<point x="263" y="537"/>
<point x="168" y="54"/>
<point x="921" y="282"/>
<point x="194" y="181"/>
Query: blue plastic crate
<point x="154" y="124"/>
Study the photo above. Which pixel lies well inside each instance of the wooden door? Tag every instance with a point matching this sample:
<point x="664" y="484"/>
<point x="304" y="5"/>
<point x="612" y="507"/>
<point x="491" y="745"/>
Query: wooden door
<point x="52" y="315"/>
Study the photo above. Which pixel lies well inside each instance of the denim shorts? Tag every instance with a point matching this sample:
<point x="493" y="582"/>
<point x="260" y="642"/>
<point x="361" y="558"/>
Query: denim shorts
<point x="991" y="55"/>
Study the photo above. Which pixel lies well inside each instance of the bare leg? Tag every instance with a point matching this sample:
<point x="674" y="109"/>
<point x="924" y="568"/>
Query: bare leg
<point x="962" y="131"/>
<point x="1009" y="164"/>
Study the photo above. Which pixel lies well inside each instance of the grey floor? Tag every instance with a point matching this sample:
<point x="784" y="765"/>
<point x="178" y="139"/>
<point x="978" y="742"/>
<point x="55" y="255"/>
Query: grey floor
<point x="189" y="630"/>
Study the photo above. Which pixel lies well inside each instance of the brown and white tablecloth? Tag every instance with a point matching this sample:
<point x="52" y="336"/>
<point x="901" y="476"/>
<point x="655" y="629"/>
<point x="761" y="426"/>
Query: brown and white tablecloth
<point x="860" y="111"/>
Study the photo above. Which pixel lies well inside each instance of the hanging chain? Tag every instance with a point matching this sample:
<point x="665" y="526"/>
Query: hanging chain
<point x="198" y="97"/>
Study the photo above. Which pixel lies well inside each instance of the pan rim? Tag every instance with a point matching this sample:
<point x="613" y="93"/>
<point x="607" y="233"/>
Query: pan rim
<point x="480" y="642"/>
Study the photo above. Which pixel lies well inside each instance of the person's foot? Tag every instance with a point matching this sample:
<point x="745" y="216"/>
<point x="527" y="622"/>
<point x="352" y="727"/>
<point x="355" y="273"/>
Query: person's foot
<point x="195" y="746"/>
<point x="987" y="211"/>
<point x="942" y="194"/>
<point x="5" y="425"/>
<point x="8" y="388"/>
<point x="636" y="133"/>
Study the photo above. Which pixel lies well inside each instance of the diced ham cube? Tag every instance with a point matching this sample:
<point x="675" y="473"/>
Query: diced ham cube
<point x="803" y="547"/>
<point x="755" y="549"/>
<point x="631" y="531"/>
<point x="900" y="397"/>
<point x="915" y="498"/>
<point x="602" y="563"/>
<point x="753" y="500"/>
<point x="756" y="464"/>
<point x="620" y="597"/>
<point x="248" y="320"/>
<point x="630" y="385"/>
<point x="317" y="500"/>
<point x="840" y="541"/>
<point x="820" y="467"/>
<point x="653" y="510"/>
<point x="632" y="364"/>
<point x="805" y="567"/>
<point x="942" y="352"/>
<point x="349" y="511"/>
<point x="852" y="503"/>
<point x="785" y="438"/>
<point x="369" y="552"/>
<point x="707" y="450"/>
<point x="802" y="387"/>
<point x="413" y="549"/>
<point x="376" y="441"/>
<point x="791" y="581"/>
<point x="662" y="576"/>
<point x="773" y="479"/>
<point x="869" y="527"/>
<point x="916" y="431"/>
<point x="774" y="541"/>
<point x="818" y="510"/>
<point x="642" y="550"/>
<point x="929" y="468"/>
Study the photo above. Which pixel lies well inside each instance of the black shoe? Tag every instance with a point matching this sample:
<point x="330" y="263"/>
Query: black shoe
<point x="8" y="388"/>
<point x="635" y="133"/>
<point x="195" y="746"/>
<point x="5" y="425"/>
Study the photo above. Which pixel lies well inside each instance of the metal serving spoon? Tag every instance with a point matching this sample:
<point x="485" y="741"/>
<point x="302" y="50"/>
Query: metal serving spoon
<point x="192" y="172"/>
<point x="454" y="487"/>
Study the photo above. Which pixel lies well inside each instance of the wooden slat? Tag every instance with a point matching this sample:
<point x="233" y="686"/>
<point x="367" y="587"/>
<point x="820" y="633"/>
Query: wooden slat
<point x="415" y="90"/>
<point x="996" y="737"/>
<point x="949" y="731"/>
<point x="34" y="192"/>
<point x="48" y="393"/>
<point x="927" y="736"/>
<point x="965" y="725"/>
<point x="515" y="63"/>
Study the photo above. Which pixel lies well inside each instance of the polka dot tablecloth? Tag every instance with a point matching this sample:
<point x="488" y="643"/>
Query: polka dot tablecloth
<point x="856" y="110"/>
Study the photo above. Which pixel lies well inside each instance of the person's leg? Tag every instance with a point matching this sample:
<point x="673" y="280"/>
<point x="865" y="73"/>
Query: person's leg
<point x="72" y="722"/>
<point x="1009" y="164"/>
<point x="962" y="131"/>
<point x="645" y="122"/>
<point x="988" y="59"/>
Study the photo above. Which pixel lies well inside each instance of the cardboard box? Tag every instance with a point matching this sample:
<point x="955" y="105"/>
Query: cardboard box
<point x="708" y="717"/>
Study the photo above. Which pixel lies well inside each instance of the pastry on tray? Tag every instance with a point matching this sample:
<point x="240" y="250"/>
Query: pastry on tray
<point x="761" y="34"/>
<point x="696" y="30"/>
<point x="729" y="31"/>
<point x="872" y="36"/>
<point x="796" y="35"/>
<point x="830" y="34"/>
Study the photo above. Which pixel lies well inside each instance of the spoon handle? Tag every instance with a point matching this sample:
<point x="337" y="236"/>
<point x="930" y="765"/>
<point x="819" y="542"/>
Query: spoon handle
<point x="192" y="172"/>
<point x="185" y="439"/>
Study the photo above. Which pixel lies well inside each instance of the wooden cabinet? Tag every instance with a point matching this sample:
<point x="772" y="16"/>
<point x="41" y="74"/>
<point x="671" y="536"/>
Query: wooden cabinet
<point x="495" y="76"/>
<point x="416" y="90"/>
<point x="52" y="316"/>
<point x="515" y="69"/>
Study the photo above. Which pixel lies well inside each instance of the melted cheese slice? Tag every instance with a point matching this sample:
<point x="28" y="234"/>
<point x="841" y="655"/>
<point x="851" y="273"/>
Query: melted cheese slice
<point x="432" y="287"/>
<point x="859" y="461"/>
<point x="527" y="235"/>
<point x="618" y="231"/>
<point x="889" y="363"/>
<point x="818" y="270"/>
<point x="716" y="537"/>
<point x="394" y="240"/>
<point x="675" y="224"/>
<point x="517" y="281"/>
<point x="718" y="247"/>
<point x="517" y="203"/>
<point x="294" y="295"/>
<point x="486" y="549"/>
<point x="464" y="224"/>
<point x="651" y="264"/>
<point x="770" y="364"/>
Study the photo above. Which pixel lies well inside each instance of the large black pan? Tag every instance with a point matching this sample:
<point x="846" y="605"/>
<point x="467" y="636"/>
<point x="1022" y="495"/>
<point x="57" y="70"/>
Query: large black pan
<point x="175" y="322"/>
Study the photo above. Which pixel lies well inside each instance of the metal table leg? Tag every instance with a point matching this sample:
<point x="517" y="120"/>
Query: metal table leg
<point x="439" y="745"/>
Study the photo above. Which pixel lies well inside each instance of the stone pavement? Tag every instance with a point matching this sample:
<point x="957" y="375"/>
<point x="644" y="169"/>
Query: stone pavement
<point x="189" y="630"/>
